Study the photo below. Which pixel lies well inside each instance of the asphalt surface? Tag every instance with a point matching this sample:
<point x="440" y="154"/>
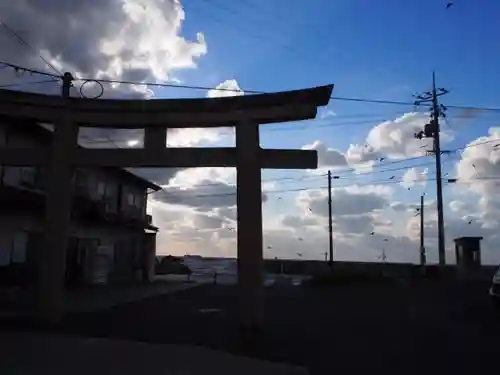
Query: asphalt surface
<point x="387" y="329"/>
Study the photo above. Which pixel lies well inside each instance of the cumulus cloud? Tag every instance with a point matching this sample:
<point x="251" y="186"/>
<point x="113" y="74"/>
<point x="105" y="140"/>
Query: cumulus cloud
<point x="398" y="206"/>
<point x="294" y="221"/>
<point x="413" y="176"/>
<point x="394" y="139"/>
<point x="202" y="136"/>
<point x="343" y="199"/>
<point x="479" y="165"/>
<point x="355" y="210"/>
<point x="103" y="39"/>
<point x="227" y="88"/>
<point x="327" y="157"/>
<point x="202" y="188"/>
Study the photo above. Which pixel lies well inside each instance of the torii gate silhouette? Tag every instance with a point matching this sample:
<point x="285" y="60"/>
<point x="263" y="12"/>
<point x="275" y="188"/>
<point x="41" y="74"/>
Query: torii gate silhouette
<point x="245" y="113"/>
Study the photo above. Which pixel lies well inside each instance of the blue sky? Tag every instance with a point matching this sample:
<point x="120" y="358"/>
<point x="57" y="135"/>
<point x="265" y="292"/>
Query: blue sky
<point x="381" y="50"/>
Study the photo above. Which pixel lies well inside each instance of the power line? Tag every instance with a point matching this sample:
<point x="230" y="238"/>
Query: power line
<point x="23" y="41"/>
<point x="29" y="70"/>
<point x="339" y="177"/>
<point x="371" y="183"/>
<point x="28" y="83"/>
<point x="194" y="87"/>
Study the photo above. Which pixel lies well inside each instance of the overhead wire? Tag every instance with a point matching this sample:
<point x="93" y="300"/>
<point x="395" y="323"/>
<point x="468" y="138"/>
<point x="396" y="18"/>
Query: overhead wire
<point x="194" y="87"/>
<point x="28" y="83"/>
<point x="338" y="176"/>
<point x="371" y="183"/>
<point x="25" y="43"/>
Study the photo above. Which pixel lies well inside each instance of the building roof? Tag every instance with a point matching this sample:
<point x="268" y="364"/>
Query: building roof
<point x="462" y="239"/>
<point x="42" y="131"/>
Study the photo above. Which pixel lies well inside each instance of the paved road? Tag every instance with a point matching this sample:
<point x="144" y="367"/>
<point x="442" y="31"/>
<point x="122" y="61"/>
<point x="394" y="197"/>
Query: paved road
<point x="352" y="330"/>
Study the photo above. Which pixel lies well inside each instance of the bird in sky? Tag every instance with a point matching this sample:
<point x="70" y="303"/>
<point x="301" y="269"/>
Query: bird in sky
<point x="470" y="222"/>
<point x="448" y="5"/>
<point x="372" y="233"/>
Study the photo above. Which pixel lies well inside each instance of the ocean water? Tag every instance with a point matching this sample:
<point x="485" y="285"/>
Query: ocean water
<point x="203" y="270"/>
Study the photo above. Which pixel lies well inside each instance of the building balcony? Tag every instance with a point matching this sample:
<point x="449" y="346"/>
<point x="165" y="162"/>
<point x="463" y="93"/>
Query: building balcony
<point x="20" y="199"/>
<point x="15" y="200"/>
<point x="89" y="210"/>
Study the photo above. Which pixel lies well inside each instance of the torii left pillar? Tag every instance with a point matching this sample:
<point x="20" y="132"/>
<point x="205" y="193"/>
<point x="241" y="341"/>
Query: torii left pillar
<point x="57" y="216"/>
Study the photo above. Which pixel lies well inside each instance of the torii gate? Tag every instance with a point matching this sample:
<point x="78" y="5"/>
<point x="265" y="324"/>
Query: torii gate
<point x="245" y="113"/>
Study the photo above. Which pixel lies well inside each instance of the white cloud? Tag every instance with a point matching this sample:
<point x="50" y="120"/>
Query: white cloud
<point x="398" y="206"/>
<point x="198" y="136"/>
<point x="326" y="113"/>
<point x="327" y="157"/>
<point x="394" y="139"/>
<point x="198" y="176"/>
<point x="479" y="166"/>
<point x="227" y="88"/>
<point x="413" y="176"/>
<point x="104" y="39"/>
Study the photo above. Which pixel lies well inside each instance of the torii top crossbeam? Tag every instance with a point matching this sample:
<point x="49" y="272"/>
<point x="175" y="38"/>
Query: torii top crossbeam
<point x="170" y="113"/>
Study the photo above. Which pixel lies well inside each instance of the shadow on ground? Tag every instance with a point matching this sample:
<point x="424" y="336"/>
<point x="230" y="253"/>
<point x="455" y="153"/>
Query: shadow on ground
<point x="394" y="329"/>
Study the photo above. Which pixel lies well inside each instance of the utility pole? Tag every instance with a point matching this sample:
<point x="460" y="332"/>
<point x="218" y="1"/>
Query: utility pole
<point x="330" y="224"/>
<point x="67" y="80"/>
<point x="422" y="246"/>
<point x="432" y="130"/>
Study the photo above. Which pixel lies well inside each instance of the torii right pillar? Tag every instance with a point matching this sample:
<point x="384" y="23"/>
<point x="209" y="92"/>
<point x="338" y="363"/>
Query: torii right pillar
<point x="251" y="158"/>
<point x="250" y="246"/>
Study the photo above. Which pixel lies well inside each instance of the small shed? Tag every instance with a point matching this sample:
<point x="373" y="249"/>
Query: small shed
<point x="468" y="253"/>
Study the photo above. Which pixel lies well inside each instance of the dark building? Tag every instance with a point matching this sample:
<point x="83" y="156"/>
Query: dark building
<point x="468" y="253"/>
<point x="112" y="237"/>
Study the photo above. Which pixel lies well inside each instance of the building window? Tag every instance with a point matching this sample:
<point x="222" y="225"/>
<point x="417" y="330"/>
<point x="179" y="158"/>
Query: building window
<point x="130" y="199"/>
<point x="27" y="176"/>
<point x="138" y="201"/>
<point x="5" y="254"/>
<point x="101" y="189"/>
<point x="3" y="136"/>
<point x="19" y="247"/>
<point x="81" y="181"/>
